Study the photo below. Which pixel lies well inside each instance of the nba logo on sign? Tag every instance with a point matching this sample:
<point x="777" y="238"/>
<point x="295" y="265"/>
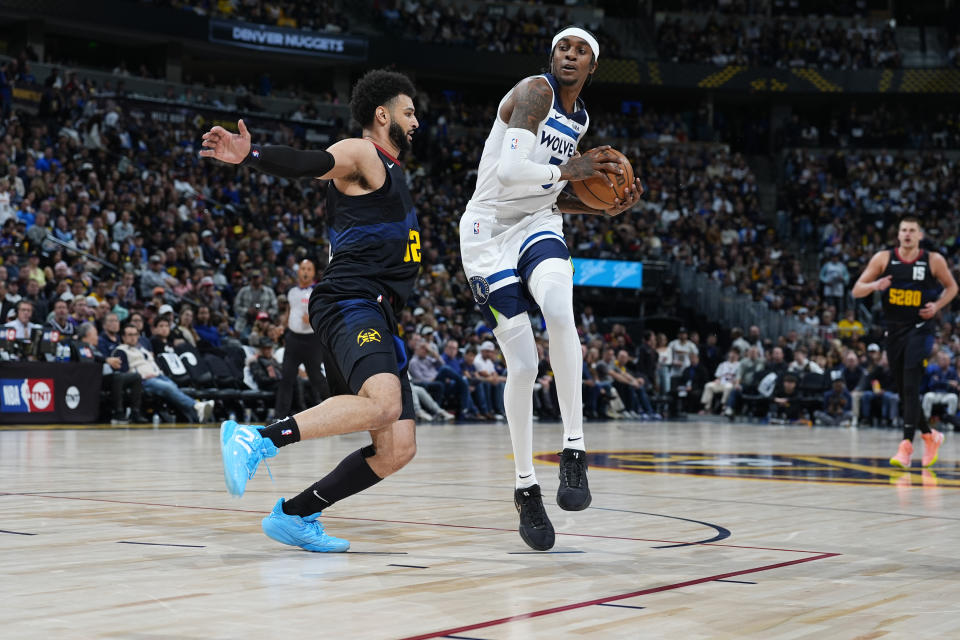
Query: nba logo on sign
<point x="476" y="228"/>
<point x="514" y="143"/>
<point x="26" y="395"/>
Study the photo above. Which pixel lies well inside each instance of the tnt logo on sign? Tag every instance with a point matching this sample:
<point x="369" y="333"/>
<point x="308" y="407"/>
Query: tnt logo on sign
<point x="26" y="395"/>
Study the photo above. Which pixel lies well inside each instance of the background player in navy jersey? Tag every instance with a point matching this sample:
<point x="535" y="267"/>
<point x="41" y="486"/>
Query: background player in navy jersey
<point x="915" y="285"/>
<point x="375" y="258"/>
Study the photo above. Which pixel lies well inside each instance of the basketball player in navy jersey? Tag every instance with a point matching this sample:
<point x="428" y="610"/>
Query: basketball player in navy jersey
<point x="375" y="258"/>
<point x="915" y="284"/>
<point x="515" y="258"/>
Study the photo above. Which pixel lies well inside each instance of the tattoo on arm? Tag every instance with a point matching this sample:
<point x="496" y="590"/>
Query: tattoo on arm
<point x="532" y="104"/>
<point x="569" y="203"/>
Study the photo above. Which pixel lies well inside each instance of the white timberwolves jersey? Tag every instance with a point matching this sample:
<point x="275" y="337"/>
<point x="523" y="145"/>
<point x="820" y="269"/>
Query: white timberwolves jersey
<point x="557" y="138"/>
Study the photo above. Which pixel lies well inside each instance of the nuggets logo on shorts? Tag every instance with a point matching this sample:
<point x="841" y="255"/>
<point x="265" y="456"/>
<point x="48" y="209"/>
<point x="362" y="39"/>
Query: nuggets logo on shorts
<point x="480" y="288"/>
<point x="368" y="335"/>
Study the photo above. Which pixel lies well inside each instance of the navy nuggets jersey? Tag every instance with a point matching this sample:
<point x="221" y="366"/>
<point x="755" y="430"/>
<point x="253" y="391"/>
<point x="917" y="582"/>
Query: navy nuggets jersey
<point x="374" y="241"/>
<point x="912" y="286"/>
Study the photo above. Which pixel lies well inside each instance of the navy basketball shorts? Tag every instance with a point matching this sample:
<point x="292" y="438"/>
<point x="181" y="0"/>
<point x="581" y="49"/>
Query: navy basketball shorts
<point x="359" y="340"/>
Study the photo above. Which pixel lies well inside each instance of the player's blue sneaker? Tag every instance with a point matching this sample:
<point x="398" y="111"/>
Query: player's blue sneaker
<point x="242" y="448"/>
<point x="306" y="533"/>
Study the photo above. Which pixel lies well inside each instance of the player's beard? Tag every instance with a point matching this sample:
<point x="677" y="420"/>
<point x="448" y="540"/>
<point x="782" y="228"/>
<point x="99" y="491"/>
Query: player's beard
<point x="399" y="138"/>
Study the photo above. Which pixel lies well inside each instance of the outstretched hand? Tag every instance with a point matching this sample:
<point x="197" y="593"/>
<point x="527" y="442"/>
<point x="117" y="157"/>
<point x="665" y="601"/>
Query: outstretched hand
<point x="225" y="146"/>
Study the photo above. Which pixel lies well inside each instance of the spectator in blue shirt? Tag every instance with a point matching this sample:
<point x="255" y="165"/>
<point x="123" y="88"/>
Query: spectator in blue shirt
<point x="837" y="403"/>
<point x="47" y="162"/>
<point x="940" y="385"/>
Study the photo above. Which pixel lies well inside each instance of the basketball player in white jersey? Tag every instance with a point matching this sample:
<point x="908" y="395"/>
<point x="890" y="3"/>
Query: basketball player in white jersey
<point x="300" y="344"/>
<point x="515" y="257"/>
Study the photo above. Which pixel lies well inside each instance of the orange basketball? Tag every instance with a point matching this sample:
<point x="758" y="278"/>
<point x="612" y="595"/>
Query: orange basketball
<point x="595" y="193"/>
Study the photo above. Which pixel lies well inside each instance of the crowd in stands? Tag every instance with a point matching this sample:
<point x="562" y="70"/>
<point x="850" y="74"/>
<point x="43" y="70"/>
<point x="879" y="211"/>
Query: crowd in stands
<point x="894" y="127"/>
<point x="846" y="8"/>
<point x="315" y="16"/>
<point x="782" y="42"/>
<point x="202" y="92"/>
<point x="487" y="28"/>
<point x="189" y="251"/>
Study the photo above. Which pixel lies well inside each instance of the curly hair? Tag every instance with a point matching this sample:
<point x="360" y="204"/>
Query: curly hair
<point x="374" y="89"/>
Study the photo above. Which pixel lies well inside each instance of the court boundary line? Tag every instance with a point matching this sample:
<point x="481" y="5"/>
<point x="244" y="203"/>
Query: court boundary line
<point x="423" y="524"/>
<point x="623" y="596"/>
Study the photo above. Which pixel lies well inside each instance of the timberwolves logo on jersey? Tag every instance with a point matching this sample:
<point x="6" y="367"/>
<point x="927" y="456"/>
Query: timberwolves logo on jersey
<point x="480" y="288"/>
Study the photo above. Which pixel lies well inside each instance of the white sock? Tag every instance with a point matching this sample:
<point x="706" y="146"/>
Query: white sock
<point x="551" y="285"/>
<point x="520" y="352"/>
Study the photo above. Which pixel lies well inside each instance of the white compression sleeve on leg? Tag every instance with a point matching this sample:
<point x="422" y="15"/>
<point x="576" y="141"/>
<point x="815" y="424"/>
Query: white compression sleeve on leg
<point x="520" y="352"/>
<point x="551" y="285"/>
<point x="514" y="167"/>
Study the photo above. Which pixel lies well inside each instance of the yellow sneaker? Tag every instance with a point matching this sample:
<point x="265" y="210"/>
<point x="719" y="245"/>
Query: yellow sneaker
<point x="904" y="452"/>
<point x="931" y="446"/>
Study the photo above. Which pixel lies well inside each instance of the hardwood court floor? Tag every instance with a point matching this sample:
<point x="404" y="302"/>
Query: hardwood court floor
<point x="697" y="533"/>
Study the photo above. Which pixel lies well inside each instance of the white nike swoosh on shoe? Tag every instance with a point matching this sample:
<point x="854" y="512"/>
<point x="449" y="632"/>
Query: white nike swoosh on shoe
<point x="320" y="496"/>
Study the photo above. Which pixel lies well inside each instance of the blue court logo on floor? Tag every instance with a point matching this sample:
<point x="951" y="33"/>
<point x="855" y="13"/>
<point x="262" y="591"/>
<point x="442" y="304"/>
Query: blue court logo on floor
<point x="779" y="466"/>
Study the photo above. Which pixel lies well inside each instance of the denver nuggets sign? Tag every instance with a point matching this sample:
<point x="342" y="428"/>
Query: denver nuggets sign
<point x="779" y="466"/>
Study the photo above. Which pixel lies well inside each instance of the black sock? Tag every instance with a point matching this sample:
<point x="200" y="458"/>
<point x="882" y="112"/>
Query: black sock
<point x="908" y="432"/>
<point x="282" y="432"/>
<point x="351" y="476"/>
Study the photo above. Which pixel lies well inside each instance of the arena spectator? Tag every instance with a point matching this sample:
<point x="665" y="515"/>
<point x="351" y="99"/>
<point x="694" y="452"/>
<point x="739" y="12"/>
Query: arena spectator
<point x="135" y="358"/>
<point x="837" y="405"/>
<point x="725" y="379"/>
<point x="21" y="323"/>
<point x="488" y="369"/>
<point x="690" y="386"/>
<point x="265" y="369"/>
<point x="125" y="388"/>
<point x="940" y="385"/>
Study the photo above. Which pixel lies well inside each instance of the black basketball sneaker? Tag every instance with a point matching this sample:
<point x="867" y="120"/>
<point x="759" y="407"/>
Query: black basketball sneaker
<point x="535" y="527"/>
<point x="573" y="494"/>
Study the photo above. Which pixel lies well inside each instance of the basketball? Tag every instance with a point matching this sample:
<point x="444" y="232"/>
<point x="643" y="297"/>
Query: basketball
<point x="595" y="193"/>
